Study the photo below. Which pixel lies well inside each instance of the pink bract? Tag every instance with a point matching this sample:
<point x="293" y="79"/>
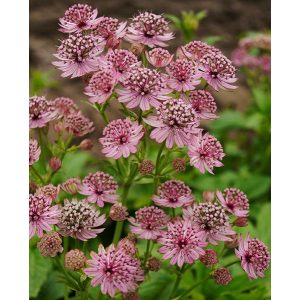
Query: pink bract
<point x="159" y="57"/>
<point x="34" y="151"/>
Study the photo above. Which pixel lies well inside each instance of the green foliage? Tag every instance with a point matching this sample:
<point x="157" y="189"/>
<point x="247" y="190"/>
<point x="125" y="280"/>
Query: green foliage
<point x="40" y="81"/>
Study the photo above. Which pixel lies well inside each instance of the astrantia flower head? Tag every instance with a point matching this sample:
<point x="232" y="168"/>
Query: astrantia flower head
<point x="110" y="31"/>
<point x="71" y="186"/>
<point x="173" y="193"/>
<point x="222" y="276"/>
<point x="121" y="137"/>
<point x="118" y="212"/>
<point x="148" y="222"/>
<point x="204" y="104"/>
<point x="235" y="201"/>
<point x="99" y="187"/>
<point x="195" y="50"/>
<point x="143" y="87"/>
<point x="80" y="220"/>
<point x="175" y="123"/>
<point x="78" y="125"/>
<point x="75" y="260"/>
<point x="50" y="244"/>
<point x="205" y="153"/>
<point x="101" y="85"/>
<point x="254" y="256"/>
<point x="179" y="164"/>
<point x="182" y="242"/>
<point x="149" y="29"/>
<point x="122" y="61"/>
<point x="114" y="270"/>
<point x="146" y="167"/>
<point x="48" y="190"/>
<point x="159" y="57"/>
<point x="217" y="70"/>
<point x="209" y="258"/>
<point x="183" y="75"/>
<point x="77" y="55"/>
<point x="41" y="112"/>
<point x="34" y="151"/>
<point x="78" y="17"/>
<point x="128" y="246"/>
<point x="41" y="214"/>
<point x="153" y="264"/>
<point x="211" y="219"/>
<point x="65" y="106"/>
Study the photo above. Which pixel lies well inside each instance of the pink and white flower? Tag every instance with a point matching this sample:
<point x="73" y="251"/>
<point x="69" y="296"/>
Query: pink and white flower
<point x="217" y="70"/>
<point x="210" y="219"/>
<point x="159" y="57"/>
<point x="65" y="106"/>
<point x="235" y="201"/>
<point x="148" y="222"/>
<point x="49" y="190"/>
<point x="77" y="55"/>
<point x="175" y="123"/>
<point x="41" y="112"/>
<point x="80" y="220"/>
<point x="78" y="17"/>
<point x="77" y="124"/>
<point x="149" y="29"/>
<point x="121" y="137"/>
<point x="41" y="214"/>
<point x="34" y="151"/>
<point x="143" y="87"/>
<point x="173" y="193"/>
<point x="183" y="75"/>
<point x="205" y="153"/>
<point x="182" y="242"/>
<point x="99" y="188"/>
<point x="254" y="256"/>
<point x="114" y="270"/>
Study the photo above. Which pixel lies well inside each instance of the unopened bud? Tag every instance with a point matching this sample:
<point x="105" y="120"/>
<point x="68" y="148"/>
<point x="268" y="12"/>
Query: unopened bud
<point x="50" y="244"/>
<point x="241" y="222"/>
<point x="131" y="296"/>
<point x="128" y="246"/>
<point x="137" y="49"/>
<point x="146" y="167"/>
<point x="86" y="144"/>
<point x="234" y="241"/>
<point x="59" y="127"/>
<point x="153" y="264"/>
<point x="222" y="276"/>
<point x="209" y="258"/>
<point x="71" y="186"/>
<point x="32" y="187"/>
<point x="208" y="196"/>
<point x="118" y="212"/>
<point x="131" y="236"/>
<point x="75" y="260"/>
<point x="179" y="164"/>
<point x="55" y="163"/>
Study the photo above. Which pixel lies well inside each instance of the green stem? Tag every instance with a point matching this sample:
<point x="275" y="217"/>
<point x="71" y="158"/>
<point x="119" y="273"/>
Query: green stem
<point x="191" y="288"/>
<point x="173" y="212"/>
<point x="156" y="178"/>
<point x="146" y="253"/>
<point x="232" y="263"/>
<point x="37" y="174"/>
<point x="176" y="284"/>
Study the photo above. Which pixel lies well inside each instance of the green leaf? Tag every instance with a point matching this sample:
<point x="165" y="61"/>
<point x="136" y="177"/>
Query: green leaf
<point x="229" y="119"/>
<point x="212" y="39"/>
<point x="201" y="15"/>
<point x="264" y="224"/>
<point x="174" y="19"/>
<point x="39" y="267"/>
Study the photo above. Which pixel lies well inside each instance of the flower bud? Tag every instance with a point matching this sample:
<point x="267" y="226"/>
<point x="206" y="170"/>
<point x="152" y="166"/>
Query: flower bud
<point x="153" y="264"/>
<point x="59" y="127"/>
<point x="75" y="260"/>
<point x="131" y="236"/>
<point x="179" y="164"/>
<point x="71" y="186"/>
<point x="137" y="49"/>
<point x="241" y="222"/>
<point x="146" y="167"/>
<point x="190" y="21"/>
<point x="234" y="241"/>
<point x="209" y="258"/>
<point x="128" y="246"/>
<point x="86" y="144"/>
<point x="222" y="276"/>
<point x="208" y="196"/>
<point x="55" y="163"/>
<point x="131" y="296"/>
<point x="50" y="244"/>
<point x="32" y="187"/>
<point x="118" y="212"/>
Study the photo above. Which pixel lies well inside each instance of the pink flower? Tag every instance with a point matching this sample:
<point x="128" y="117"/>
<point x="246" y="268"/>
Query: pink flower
<point x="110" y="31"/>
<point x="78" y="125"/>
<point x="173" y="193"/>
<point x="204" y="104"/>
<point x="78" y="54"/>
<point x="159" y="57"/>
<point x="71" y="185"/>
<point x="80" y="220"/>
<point x="175" y="122"/>
<point x="41" y="214"/>
<point x="235" y="201"/>
<point x="265" y="64"/>
<point x="211" y="219"/>
<point x="195" y="50"/>
<point x="114" y="270"/>
<point x="99" y="187"/>
<point x="122" y="62"/>
<point x="182" y="242"/>
<point x="183" y="75"/>
<point x="34" y="151"/>
<point x="149" y="29"/>
<point x="205" y="153"/>
<point x="217" y="70"/>
<point x="144" y="88"/>
<point x="240" y="57"/>
<point x="101" y="85"/>
<point x="148" y="222"/>
<point x="121" y="137"/>
<point x="41" y="112"/>
<point x="65" y="106"/>
<point x="48" y="190"/>
<point x="78" y="17"/>
<point x="254" y="256"/>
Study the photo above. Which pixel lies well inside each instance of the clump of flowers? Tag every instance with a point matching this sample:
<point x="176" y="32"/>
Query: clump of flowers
<point x="162" y="97"/>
